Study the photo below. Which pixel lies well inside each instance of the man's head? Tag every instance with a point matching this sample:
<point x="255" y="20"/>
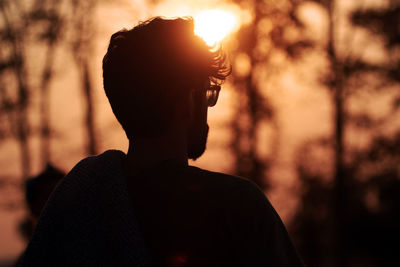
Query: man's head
<point x="156" y="75"/>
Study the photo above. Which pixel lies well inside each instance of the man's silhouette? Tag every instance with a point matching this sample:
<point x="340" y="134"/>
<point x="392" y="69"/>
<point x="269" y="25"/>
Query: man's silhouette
<point x="149" y="207"/>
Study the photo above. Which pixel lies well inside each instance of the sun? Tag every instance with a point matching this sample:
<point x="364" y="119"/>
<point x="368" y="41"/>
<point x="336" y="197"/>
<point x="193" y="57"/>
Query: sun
<point x="214" y="24"/>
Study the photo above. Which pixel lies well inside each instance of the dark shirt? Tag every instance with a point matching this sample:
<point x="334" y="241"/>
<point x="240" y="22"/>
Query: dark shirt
<point x="169" y="215"/>
<point x="193" y="217"/>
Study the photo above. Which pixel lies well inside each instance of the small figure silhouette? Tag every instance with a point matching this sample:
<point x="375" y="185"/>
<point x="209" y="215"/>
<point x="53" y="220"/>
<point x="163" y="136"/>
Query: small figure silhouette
<point x="39" y="188"/>
<point x="149" y="207"/>
<point x="37" y="192"/>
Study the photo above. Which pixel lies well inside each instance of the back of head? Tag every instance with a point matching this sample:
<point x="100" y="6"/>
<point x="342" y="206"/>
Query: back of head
<point x="150" y="70"/>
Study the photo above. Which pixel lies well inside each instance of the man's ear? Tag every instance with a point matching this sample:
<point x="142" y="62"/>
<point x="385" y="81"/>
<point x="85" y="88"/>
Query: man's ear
<point x="184" y="109"/>
<point x="191" y="105"/>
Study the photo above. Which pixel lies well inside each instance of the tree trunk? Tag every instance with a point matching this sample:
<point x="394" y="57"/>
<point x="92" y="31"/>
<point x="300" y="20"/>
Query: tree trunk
<point x="45" y="109"/>
<point x="339" y="196"/>
<point x="89" y="112"/>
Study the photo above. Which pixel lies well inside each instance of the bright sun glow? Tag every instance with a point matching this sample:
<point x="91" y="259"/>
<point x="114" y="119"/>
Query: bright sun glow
<point x="213" y="25"/>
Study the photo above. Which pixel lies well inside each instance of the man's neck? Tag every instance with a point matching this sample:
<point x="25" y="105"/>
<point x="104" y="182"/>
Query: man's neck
<point x="144" y="153"/>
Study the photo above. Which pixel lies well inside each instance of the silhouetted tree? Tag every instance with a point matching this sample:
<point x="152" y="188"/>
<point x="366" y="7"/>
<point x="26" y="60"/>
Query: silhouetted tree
<point x="256" y="42"/>
<point x="46" y="15"/>
<point x="353" y="220"/>
<point x="26" y="27"/>
<point x="15" y="91"/>
<point x="31" y="32"/>
<point x="83" y="33"/>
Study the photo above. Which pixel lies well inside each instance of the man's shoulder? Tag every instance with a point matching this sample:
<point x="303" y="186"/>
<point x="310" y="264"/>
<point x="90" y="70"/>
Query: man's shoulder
<point x="92" y="175"/>
<point x="107" y="159"/>
<point x="230" y="185"/>
<point x="224" y="178"/>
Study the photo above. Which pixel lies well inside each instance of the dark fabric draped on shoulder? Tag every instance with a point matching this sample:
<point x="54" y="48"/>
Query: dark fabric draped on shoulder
<point x="88" y="220"/>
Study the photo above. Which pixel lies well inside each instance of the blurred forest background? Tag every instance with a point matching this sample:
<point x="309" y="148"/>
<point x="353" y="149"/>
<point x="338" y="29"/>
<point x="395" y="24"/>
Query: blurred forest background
<point x="310" y="113"/>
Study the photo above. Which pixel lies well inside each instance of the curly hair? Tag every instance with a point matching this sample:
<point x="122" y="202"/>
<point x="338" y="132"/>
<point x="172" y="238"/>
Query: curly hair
<point x="149" y="70"/>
